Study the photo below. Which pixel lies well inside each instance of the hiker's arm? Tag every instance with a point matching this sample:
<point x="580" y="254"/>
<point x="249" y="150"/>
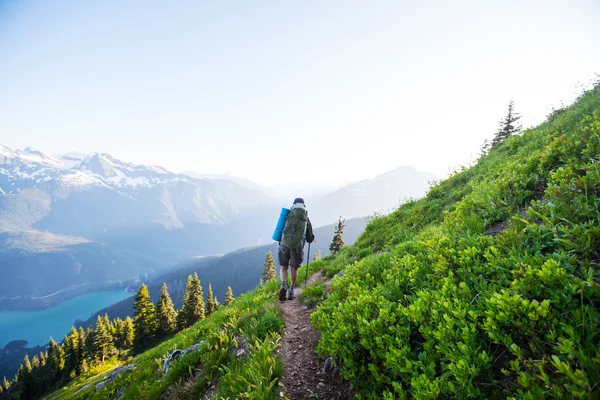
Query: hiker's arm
<point x="310" y="237"/>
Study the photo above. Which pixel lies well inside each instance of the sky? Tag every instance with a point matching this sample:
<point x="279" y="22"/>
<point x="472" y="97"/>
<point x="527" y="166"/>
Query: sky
<point x="302" y="92"/>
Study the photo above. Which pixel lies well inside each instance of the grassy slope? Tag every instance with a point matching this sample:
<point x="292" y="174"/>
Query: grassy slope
<point x="489" y="286"/>
<point x="430" y="304"/>
<point x="254" y="317"/>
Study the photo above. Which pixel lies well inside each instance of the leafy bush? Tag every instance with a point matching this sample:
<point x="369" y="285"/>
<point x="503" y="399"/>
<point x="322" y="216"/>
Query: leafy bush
<point x="313" y="294"/>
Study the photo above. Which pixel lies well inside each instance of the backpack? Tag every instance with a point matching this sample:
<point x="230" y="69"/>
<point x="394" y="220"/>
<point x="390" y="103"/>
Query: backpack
<point x="295" y="227"/>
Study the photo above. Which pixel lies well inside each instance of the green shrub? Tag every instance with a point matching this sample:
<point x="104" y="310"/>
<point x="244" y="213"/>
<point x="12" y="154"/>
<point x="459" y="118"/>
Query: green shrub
<point x="313" y="294"/>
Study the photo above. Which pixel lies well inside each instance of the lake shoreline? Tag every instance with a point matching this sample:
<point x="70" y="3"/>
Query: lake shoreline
<point x="55" y="299"/>
<point x="37" y="326"/>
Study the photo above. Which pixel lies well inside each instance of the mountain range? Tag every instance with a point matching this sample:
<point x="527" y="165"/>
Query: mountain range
<point x="77" y="223"/>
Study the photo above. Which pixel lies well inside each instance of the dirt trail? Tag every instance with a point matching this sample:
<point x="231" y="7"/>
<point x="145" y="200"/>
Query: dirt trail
<point x="304" y="377"/>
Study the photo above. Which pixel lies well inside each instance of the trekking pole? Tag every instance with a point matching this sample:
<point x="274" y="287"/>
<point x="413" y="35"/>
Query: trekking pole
<point x="307" y="261"/>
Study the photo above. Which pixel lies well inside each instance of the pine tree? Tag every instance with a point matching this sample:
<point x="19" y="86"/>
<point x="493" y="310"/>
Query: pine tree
<point x="507" y="126"/>
<point x="89" y="347"/>
<point x="72" y="356"/>
<point x="118" y="325"/>
<point x="128" y="333"/>
<point x="228" y="296"/>
<point x="5" y="384"/>
<point x="216" y="303"/>
<point x="80" y="349"/>
<point x="269" y="271"/>
<point x="195" y="305"/>
<point x="55" y="362"/>
<point x="165" y="314"/>
<point x="103" y="341"/>
<point x="338" y="241"/>
<point x="26" y="378"/>
<point x="182" y="314"/>
<point x="210" y="302"/>
<point x="144" y="321"/>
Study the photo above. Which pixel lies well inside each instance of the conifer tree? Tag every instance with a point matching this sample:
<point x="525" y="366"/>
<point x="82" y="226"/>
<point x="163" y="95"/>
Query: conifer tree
<point x="72" y="356"/>
<point x="210" y="303"/>
<point x="5" y="383"/>
<point x="90" y="349"/>
<point x="128" y="333"/>
<point x="269" y="271"/>
<point x="103" y="341"/>
<point x="118" y="333"/>
<point x="194" y="308"/>
<point x="338" y="241"/>
<point x="26" y="378"/>
<point x="228" y="296"/>
<point x="507" y="126"/>
<point x="165" y="313"/>
<point x="216" y="303"/>
<point x="81" y="345"/>
<point x="182" y="314"/>
<point x="55" y="362"/>
<point x="144" y="321"/>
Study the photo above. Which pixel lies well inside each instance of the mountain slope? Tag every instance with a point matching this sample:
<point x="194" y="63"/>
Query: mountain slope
<point x="379" y="195"/>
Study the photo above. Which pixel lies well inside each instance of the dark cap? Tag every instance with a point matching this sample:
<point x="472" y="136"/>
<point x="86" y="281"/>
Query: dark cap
<point x="299" y="200"/>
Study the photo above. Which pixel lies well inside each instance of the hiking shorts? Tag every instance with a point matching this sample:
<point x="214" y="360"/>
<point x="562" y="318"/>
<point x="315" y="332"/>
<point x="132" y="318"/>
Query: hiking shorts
<point x="292" y="258"/>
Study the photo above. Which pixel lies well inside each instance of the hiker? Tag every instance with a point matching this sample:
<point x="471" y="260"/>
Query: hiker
<point x="297" y="231"/>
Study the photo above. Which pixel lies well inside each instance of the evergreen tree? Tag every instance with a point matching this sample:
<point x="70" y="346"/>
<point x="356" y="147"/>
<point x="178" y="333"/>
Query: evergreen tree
<point x="338" y="241"/>
<point x="72" y="356"/>
<point x="89" y="347"/>
<point x="210" y="303"/>
<point x="216" y="303"/>
<point x="5" y="384"/>
<point x="165" y="313"/>
<point x="269" y="271"/>
<point x="144" y="319"/>
<point x="118" y="336"/>
<point x="27" y="380"/>
<point x="194" y="306"/>
<point x="182" y="314"/>
<point x="80" y="351"/>
<point x="55" y="362"/>
<point x="228" y="296"/>
<point x="103" y="342"/>
<point x="507" y="126"/>
<point x="128" y="333"/>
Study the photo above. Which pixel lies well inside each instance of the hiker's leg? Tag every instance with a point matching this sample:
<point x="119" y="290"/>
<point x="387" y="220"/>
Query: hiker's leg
<point x="283" y="254"/>
<point x="283" y="273"/>
<point x="294" y="275"/>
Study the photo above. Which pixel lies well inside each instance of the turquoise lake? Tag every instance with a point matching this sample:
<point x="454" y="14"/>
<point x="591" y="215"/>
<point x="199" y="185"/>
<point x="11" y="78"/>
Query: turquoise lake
<point x="37" y="326"/>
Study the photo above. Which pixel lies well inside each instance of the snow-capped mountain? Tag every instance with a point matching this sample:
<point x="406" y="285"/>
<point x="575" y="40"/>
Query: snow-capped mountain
<point x="82" y="214"/>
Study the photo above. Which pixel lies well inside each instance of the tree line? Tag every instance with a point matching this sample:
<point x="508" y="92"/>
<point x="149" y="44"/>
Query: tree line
<point x="82" y="349"/>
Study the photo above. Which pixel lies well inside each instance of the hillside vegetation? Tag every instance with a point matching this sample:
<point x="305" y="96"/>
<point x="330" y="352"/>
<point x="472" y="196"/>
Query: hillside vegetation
<point x="486" y="288"/>
<point x="489" y="286"/>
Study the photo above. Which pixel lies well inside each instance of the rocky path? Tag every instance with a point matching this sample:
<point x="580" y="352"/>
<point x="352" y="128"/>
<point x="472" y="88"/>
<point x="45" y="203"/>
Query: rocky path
<point x="304" y="376"/>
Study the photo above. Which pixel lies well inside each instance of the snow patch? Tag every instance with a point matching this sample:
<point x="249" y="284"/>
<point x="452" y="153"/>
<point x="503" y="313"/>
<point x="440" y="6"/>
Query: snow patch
<point x="79" y="179"/>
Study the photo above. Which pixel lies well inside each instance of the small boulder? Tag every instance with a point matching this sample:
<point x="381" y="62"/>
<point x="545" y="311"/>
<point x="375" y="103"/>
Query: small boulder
<point x="113" y="375"/>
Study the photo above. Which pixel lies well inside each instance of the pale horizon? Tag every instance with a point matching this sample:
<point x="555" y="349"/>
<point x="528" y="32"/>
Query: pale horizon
<point x="344" y="91"/>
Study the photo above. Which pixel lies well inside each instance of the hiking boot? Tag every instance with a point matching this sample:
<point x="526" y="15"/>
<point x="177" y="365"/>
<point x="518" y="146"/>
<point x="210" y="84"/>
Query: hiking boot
<point x="290" y="294"/>
<point x="282" y="294"/>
